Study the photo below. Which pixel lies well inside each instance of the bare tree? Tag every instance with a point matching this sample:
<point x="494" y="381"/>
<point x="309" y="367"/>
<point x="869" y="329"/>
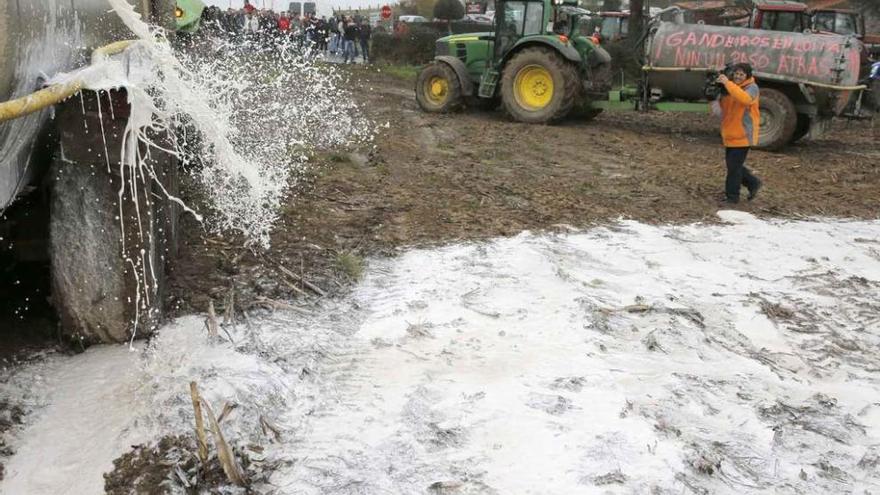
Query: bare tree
<point x="611" y="5"/>
<point x="870" y="9"/>
<point x="636" y="19"/>
<point x="867" y="6"/>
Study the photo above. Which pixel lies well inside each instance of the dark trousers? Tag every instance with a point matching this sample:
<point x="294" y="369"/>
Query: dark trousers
<point x="365" y="49"/>
<point x="737" y="173"/>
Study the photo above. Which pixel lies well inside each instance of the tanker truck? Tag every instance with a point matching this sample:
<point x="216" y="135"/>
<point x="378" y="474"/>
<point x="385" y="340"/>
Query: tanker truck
<point x="60" y="201"/>
<point x="806" y="79"/>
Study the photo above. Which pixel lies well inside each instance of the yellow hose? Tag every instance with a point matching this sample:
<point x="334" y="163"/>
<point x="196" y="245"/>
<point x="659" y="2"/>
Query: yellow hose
<point x="56" y="93"/>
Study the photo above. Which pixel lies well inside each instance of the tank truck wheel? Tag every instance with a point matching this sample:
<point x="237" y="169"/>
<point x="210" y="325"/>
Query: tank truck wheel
<point x="95" y="288"/>
<point x="538" y="86"/>
<point x="778" y="120"/>
<point x="108" y="253"/>
<point x="802" y="128"/>
<point x="438" y="89"/>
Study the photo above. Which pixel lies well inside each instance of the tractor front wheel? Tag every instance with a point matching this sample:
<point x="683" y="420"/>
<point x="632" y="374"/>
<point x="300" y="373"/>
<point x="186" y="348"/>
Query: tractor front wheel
<point x="438" y="89"/>
<point x="539" y="86"/>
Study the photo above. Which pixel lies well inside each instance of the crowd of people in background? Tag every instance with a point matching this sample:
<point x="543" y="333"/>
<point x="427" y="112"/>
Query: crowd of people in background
<point x="345" y="36"/>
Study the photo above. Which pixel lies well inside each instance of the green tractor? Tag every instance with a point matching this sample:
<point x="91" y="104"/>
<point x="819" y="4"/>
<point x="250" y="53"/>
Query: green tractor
<point x="539" y="62"/>
<point x="188" y="14"/>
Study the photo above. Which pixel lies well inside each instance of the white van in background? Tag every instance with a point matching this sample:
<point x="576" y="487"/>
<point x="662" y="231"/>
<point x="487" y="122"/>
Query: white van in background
<point x="412" y="19"/>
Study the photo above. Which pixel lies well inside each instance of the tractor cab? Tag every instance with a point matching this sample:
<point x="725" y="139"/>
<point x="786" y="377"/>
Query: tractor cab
<point x="780" y="15"/>
<point x="839" y="21"/>
<point x="573" y="22"/>
<point x="516" y="20"/>
<point x="613" y="26"/>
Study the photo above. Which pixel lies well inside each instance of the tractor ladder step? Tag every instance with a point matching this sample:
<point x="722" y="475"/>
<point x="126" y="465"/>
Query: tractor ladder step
<point x="488" y="81"/>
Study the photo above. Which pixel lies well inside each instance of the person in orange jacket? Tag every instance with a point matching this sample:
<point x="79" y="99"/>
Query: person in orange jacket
<point x="596" y="37"/>
<point x="740" y="122"/>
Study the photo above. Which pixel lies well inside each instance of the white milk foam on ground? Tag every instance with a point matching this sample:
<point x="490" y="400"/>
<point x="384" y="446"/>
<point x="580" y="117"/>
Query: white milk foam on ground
<point x="625" y="359"/>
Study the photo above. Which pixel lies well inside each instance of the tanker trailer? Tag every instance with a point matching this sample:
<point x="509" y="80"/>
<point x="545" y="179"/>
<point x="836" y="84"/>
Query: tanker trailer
<point x="49" y="155"/>
<point x="805" y="79"/>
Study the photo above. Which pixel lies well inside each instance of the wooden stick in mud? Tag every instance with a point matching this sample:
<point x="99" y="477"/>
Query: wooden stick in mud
<point x="229" y="314"/>
<point x="312" y="287"/>
<point x="224" y="453"/>
<point x="268" y="426"/>
<point x="294" y="287"/>
<point x="227" y="408"/>
<point x="212" y="320"/>
<point x="200" y="426"/>
<point x="265" y="302"/>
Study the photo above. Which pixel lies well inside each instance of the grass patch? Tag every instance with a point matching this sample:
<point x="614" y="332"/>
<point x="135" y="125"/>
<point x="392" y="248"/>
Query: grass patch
<point x="585" y="187"/>
<point x="403" y="72"/>
<point x="296" y="151"/>
<point x="332" y="157"/>
<point x="350" y="264"/>
<point x="339" y="157"/>
<point x="383" y="170"/>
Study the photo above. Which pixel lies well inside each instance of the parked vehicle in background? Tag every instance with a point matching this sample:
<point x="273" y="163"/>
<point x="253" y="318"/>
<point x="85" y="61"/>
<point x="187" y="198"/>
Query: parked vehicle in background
<point x="412" y="19"/>
<point x="480" y="18"/>
<point x="715" y="12"/>
<point x="845" y="22"/>
<point x="791" y="16"/>
<point x="780" y="15"/>
<point x="840" y="21"/>
<point x="613" y="26"/>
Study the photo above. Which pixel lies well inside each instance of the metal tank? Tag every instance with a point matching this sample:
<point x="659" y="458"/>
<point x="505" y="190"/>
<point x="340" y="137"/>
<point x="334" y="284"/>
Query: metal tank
<point x="679" y="55"/>
<point x="38" y="39"/>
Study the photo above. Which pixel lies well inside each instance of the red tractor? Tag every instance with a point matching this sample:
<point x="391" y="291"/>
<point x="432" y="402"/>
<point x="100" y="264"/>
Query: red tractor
<point x="788" y="15"/>
<point x="780" y="15"/>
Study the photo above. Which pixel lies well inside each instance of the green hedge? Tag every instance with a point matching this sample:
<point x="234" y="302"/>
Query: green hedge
<point x="416" y="47"/>
<point x="625" y="58"/>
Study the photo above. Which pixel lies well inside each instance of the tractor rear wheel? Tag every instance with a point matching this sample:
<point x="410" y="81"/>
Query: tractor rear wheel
<point x="539" y="86"/>
<point x="438" y="89"/>
<point x="778" y="120"/>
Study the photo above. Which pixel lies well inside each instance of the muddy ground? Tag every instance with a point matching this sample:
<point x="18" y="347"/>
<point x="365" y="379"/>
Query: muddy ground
<point x="475" y="174"/>
<point x="433" y="179"/>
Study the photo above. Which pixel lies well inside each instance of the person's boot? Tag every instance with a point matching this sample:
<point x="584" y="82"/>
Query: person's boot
<point x="724" y="199"/>
<point x="753" y="191"/>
